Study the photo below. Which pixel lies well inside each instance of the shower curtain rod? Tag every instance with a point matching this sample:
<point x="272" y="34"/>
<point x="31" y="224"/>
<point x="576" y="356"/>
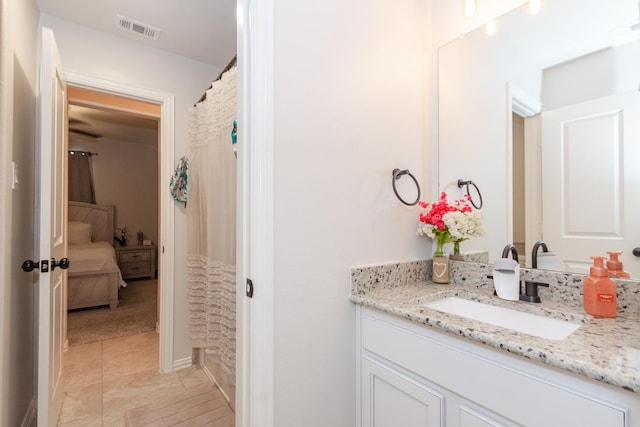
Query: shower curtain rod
<point x="227" y="68"/>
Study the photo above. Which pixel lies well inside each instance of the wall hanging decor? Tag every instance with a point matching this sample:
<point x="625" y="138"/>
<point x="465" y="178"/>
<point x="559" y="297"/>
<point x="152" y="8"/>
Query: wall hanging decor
<point x="180" y="181"/>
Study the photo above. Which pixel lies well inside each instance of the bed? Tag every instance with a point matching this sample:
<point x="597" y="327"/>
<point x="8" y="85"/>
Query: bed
<point x="94" y="277"/>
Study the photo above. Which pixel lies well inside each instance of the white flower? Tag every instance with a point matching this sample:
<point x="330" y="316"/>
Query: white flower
<point x="426" y="230"/>
<point x="463" y="225"/>
<point x="120" y="233"/>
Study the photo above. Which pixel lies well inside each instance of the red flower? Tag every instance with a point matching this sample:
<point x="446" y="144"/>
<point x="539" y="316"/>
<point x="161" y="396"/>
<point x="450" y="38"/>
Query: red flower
<point x="435" y="215"/>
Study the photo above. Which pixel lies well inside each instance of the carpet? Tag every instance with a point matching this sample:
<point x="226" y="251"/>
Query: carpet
<point x="136" y="313"/>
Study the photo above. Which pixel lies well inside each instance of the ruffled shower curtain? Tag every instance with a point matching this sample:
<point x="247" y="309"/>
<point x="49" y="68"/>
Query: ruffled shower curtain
<point x="211" y="229"/>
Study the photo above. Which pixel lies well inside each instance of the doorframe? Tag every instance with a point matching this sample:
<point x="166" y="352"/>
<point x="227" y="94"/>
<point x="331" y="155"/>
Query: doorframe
<point x="167" y="162"/>
<point x="255" y="316"/>
<point x="521" y="103"/>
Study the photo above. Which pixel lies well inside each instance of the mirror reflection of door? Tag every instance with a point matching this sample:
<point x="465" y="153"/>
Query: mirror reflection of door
<point x="591" y="180"/>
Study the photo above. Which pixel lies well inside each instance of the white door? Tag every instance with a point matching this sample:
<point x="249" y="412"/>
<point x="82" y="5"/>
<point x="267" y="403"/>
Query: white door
<point x="50" y="232"/>
<point x="591" y="180"/>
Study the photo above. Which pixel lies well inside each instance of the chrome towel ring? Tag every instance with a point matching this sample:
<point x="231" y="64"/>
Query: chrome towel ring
<point x="396" y="174"/>
<point x="462" y="183"/>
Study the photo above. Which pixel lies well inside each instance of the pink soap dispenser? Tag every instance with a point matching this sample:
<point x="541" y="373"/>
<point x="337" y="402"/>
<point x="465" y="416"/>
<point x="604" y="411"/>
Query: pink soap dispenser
<point x="615" y="266"/>
<point x="599" y="290"/>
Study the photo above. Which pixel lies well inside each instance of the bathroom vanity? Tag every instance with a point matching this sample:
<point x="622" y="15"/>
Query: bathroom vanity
<point x="422" y="367"/>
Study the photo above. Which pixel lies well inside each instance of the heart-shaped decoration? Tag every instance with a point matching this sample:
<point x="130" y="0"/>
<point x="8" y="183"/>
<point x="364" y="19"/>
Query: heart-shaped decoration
<point x="439" y="269"/>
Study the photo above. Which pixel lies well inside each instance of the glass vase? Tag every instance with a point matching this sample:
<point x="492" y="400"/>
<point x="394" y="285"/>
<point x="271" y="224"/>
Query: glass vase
<point x="456" y="247"/>
<point x="439" y="248"/>
<point x="457" y="256"/>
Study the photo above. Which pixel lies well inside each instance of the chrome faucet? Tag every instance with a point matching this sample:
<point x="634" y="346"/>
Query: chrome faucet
<point x="534" y="254"/>
<point x="514" y="252"/>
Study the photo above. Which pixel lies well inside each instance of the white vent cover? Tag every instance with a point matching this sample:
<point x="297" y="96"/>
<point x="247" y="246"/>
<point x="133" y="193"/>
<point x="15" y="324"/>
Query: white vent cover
<point x="134" y="26"/>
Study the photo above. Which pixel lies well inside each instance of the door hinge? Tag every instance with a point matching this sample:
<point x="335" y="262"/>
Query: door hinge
<point x="249" y="288"/>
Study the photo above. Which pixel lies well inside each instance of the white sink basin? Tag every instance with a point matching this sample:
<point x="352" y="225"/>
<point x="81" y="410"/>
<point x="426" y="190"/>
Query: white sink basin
<point x="540" y="326"/>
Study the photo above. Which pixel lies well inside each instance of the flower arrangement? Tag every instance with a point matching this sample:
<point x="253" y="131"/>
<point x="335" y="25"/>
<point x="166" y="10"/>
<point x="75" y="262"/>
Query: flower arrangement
<point x="120" y="234"/>
<point x="450" y="223"/>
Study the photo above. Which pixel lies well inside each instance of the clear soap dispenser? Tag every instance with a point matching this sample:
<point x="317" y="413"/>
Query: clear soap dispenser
<point x="615" y="266"/>
<point x="599" y="290"/>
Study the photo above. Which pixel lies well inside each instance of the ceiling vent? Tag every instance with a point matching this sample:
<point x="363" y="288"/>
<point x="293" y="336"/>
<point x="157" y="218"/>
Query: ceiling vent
<point x="133" y="26"/>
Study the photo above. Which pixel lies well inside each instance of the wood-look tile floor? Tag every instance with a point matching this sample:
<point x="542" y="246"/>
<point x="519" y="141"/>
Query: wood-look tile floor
<point x="105" y="379"/>
<point x="203" y="405"/>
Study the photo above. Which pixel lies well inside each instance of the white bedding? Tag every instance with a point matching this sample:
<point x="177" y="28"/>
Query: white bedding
<point x="94" y="257"/>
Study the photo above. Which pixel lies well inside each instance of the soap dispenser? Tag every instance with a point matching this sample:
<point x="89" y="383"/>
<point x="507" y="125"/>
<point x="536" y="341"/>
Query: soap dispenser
<point x="599" y="290"/>
<point x="615" y="266"/>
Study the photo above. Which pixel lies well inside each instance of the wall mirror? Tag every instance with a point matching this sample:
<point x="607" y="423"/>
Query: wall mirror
<point x="543" y="116"/>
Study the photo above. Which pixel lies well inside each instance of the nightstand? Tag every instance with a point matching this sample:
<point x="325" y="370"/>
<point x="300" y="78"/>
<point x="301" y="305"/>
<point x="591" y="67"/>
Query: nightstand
<point x="136" y="261"/>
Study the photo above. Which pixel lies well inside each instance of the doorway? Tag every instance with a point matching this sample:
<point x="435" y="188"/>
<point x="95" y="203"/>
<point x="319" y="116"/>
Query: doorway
<point x="113" y="145"/>
<point x="524" y="168"/>
<point x="166" y="164"/>
<point x="518" y="185"/>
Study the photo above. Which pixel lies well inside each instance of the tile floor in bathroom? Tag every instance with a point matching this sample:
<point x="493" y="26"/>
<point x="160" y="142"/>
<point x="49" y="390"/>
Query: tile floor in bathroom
<point x="105" y="379"/>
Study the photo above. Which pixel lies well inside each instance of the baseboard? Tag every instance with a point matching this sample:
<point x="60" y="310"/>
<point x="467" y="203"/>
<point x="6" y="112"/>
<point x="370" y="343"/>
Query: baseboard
<point x="210" y="375"/>
<point x="182" y="363"/>
<point x="30" y="417"/>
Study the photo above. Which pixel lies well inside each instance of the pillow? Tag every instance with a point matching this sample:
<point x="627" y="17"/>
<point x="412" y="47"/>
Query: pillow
<point x="79" y="233"/>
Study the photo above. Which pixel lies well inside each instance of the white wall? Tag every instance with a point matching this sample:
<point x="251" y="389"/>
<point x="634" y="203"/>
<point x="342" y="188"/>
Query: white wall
<point x="474" y="134"/>
<point x="126" y="176"/>
<point x="18" y="85"/>
<point x="600" y="74"/>
<point x="351" y="104"/>
<point x="485" y="158"/>
<point x="110" y="58"/>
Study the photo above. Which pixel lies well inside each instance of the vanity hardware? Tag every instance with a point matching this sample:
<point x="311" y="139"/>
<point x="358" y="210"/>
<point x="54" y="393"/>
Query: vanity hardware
<point x="462" y="183"/>
<point x="396" y="174"/>
<point x="514" y="252"/>
<point x="531" y="291"/>
<point x="534" y="254"/>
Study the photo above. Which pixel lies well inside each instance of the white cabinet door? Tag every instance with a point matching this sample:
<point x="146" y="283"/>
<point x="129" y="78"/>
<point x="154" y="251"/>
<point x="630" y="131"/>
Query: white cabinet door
<point x="390" y="399"/>
<point x="468" y="416"/>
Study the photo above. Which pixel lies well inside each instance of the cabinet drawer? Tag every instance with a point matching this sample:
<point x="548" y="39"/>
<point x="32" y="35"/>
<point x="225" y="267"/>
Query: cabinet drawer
<point x="132" y="256"/>
<point x="134" y="269"/>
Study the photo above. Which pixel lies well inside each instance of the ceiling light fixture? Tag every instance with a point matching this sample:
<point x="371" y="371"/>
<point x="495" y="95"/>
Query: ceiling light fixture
<point x="470" y="7"/>
<point x="534" y="6"/>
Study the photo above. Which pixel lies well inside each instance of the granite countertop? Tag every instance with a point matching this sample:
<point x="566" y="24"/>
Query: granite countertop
<point x="606" y="350"/>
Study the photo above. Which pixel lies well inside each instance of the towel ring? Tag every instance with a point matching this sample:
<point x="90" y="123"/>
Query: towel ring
<point x="397" y="173"/>
<point x="468" y="183"/>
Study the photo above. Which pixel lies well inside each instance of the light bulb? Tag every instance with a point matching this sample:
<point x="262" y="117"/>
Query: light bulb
<point x="470" y="7"/>
<point x="534" y="6"/>
<point x="490" y="27"/>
